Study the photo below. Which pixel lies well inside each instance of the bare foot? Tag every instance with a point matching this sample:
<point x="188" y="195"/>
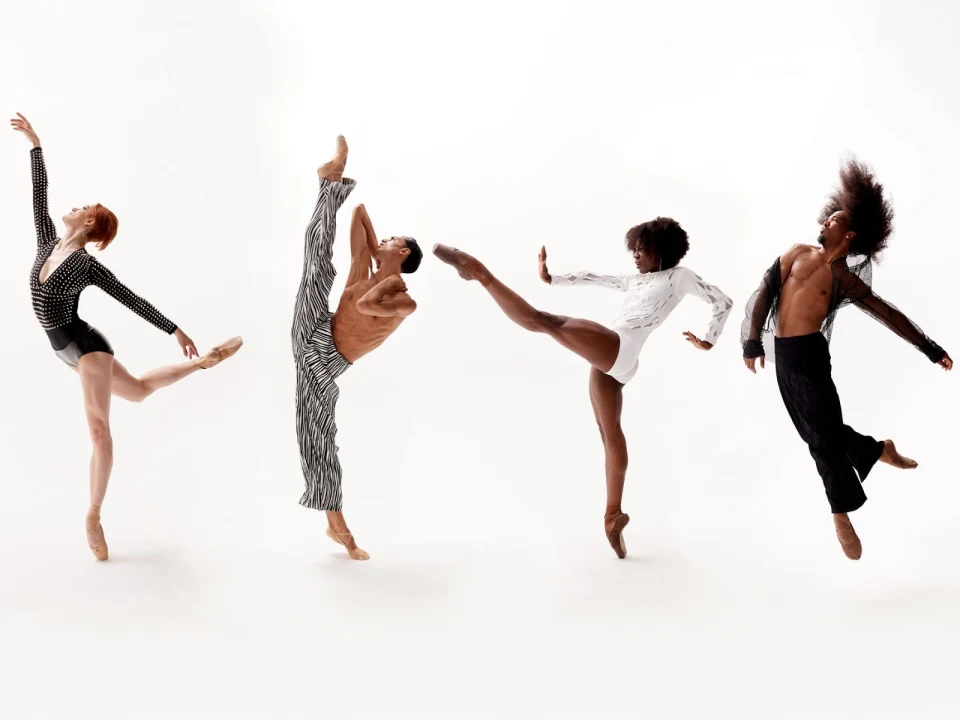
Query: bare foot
<point x="95" y="537"/>
<point x="890" y="456"/>
<point x="847" y="536"/>
<point x="613" y="525"/>
<point x="467" y="266"/>
<point x="346" y="539"/>
<point x="332" y="170"/>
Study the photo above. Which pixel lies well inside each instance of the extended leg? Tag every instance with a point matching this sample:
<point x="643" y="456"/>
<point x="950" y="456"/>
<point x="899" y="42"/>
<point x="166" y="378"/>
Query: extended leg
<point x="128" y="387"/>
<point x="312" y="304"/>
<point x="606" y="396"/>
<point x="96" y="376"/>
<point x="593" y="342"/>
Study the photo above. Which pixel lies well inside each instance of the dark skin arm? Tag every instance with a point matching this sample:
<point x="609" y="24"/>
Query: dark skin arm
<point x="387" y="299"/>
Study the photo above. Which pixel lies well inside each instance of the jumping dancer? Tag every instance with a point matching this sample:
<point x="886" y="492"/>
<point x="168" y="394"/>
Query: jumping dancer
<point x="651" y="295"/>
<point x="62" y="270"/>
<point x="798" y="300"/>
<point x="372" y="305"/>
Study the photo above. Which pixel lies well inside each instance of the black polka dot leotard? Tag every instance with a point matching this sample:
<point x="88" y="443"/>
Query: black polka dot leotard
<point x="56" y="299"/>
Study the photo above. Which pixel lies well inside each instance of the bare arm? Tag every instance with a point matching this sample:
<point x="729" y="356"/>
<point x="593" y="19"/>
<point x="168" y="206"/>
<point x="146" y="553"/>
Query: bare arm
<point x="388" y="298"/>
<point x="363" y="246"/>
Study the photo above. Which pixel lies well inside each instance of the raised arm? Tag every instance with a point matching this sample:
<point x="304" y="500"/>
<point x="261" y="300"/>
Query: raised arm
<point x="387" y="298"/>
<point x="363" y="246"/>
<point x="689" y="283"/>
<point x="46" y="230"/>
<point x="107" y="281"/>
<point x="615" y="282"/>
<point x="853" y="289"/>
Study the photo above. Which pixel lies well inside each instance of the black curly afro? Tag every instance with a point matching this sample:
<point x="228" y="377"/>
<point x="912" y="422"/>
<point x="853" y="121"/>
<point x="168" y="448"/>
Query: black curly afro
<point x="663" y="237"/>
<point x="869" y="213"/>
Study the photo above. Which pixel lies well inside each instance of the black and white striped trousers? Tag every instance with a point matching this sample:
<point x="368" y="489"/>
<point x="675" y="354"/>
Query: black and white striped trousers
<point x="318" y="362"/>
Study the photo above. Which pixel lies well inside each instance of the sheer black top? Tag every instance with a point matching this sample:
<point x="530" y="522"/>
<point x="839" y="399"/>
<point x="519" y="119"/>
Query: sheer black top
<point x="851" y="285"/>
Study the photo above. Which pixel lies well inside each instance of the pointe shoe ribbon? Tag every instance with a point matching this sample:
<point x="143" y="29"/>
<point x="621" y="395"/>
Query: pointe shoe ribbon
<point x="219" y="353"/>
<point x="356" y="553"/>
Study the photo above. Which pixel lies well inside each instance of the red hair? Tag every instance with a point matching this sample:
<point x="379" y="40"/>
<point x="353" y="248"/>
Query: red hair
<point x="105" y="226"/>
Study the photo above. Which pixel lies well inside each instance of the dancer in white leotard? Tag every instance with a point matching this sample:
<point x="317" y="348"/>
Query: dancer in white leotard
<point x="652" y="294"/>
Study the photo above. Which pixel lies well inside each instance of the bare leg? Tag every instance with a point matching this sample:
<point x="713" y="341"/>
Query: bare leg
<point x="340" y="533"/>
<point x="606" y="396"/>
<point x="127" y="387"/>
<point x="593" y="342"/>
<point x="96" y="377"/>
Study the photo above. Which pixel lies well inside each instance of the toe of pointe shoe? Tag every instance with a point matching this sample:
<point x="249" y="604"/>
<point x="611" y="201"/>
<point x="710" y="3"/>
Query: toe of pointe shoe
<point x="613" y="527"/>
<point x="358" y="554"/>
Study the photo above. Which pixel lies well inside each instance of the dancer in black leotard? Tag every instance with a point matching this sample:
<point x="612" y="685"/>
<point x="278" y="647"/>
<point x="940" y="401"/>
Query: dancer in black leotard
<point x="62" y="270"/>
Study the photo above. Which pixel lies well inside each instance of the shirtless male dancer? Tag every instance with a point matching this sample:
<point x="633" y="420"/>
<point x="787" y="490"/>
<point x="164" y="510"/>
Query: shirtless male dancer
<point x="650" y="295"/>
<point x="798" y="301"/>
<point x="373" y="304"/>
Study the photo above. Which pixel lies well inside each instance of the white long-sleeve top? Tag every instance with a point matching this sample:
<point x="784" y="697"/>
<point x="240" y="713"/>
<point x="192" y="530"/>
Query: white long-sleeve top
<point x="651" y="297"/>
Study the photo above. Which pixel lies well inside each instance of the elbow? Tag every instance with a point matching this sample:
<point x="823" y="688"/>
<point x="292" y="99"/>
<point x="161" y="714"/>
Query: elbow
<point x="363" y="307"/>
<point x="408" y="308"/>
<point x="359" y="211"/>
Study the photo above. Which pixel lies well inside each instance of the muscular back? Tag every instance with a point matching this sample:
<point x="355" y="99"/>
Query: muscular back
<point x="354" y="333"/>
<point x="807" y="284"/>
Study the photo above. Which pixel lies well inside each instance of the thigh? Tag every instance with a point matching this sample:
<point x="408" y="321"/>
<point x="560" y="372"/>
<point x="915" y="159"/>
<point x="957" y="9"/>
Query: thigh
<point x="96" y="377"/>
<point x="606" y="396"/>
<point x="125" y="385"/>
<point x="596" y="344"/>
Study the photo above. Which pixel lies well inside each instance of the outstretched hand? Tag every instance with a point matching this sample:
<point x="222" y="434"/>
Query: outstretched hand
<point x="946" y="363"/>
<point x="186" y="344"/>
<point x="544" y="273"/>
<point x="751" y="363"/>
<point x="697" y="342"/>
<point x="21" y="124"/>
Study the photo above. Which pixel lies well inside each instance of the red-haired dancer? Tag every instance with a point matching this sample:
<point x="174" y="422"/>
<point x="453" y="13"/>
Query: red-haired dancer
<point x="62" y="270"/>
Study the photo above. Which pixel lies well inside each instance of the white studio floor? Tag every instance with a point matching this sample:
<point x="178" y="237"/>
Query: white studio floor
<point x="526" y="614"/>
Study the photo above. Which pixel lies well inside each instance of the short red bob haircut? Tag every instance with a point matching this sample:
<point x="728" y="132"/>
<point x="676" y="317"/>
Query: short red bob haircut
<point x="105" y="225"/>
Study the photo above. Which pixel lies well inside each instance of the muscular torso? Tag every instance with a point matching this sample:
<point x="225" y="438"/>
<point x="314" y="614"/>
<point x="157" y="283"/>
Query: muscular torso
<point x="806" y="292"/>
<point x="354" y="333"/>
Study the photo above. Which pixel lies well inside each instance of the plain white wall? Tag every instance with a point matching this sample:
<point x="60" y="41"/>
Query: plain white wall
<point x="496" y="128"/>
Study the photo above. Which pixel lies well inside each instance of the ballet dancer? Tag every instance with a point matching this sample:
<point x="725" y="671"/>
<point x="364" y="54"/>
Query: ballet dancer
<point x="372" y="306"/>
<point x="62" y="270"/>
<point x="652" y="293"/>
<point x="797" y="301"/>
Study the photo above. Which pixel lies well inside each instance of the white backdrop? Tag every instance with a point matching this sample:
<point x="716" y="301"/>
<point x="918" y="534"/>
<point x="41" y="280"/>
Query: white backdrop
<point x="473" y="468"/>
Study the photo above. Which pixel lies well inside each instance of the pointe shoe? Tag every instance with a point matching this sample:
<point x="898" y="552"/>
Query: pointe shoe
<point x="849" y="541"/>
<point x="332" y="170"/>
<point x="467" y="266"/>
<point x="219" y="353"/>
<point x="98" y="546"/>
<point x="356" y="553"/>
<point x="613" y="526"/>
<point x="890" y="456"/>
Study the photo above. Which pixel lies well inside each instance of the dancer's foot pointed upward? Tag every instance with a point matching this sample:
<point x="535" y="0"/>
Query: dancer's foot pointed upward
<point x="468" y="267"/>
<point x="332" y="170"/>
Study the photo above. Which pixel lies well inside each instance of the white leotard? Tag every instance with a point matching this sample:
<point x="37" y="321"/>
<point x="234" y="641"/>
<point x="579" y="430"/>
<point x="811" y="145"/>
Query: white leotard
<point x="651" y="297"/>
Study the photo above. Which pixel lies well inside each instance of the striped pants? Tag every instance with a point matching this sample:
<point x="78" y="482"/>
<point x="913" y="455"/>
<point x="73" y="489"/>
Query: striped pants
<point x="318" y="362"/>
